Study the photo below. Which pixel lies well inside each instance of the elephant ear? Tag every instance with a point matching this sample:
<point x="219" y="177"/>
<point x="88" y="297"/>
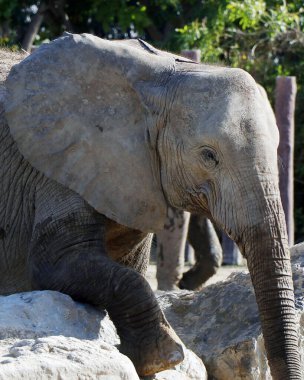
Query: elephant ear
<point x="75" y="108"/>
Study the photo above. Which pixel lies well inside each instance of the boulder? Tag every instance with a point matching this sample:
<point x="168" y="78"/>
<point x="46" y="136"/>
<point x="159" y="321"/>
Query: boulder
<point x="47" y="335"/>
<point x="61" y="357"/>
<point x="221" y="324"/>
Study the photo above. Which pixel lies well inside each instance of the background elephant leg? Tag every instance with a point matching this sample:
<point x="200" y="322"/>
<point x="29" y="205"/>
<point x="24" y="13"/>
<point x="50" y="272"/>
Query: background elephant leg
<point x="68" y="255"/>
<point x="208" y="252"/>
<point x="231" y="252"/>
<point x="171" y="249"/>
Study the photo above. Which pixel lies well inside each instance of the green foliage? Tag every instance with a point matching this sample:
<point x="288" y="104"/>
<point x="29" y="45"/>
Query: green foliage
<point x="192" y="36"/>
<point x="247" y="13"/>
<point x="243" y="31"/>
<point x="7" y="8"/>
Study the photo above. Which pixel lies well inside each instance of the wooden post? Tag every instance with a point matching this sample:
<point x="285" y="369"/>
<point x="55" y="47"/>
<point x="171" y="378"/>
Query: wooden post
<point x="285" y="97"/>
<point x="194" y="54"/>
<point x="33" y="28"/>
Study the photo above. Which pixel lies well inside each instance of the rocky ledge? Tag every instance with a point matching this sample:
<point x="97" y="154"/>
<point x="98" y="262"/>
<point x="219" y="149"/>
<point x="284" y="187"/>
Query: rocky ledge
<point x="47" y="335"/>
<point x="221" y="324"/>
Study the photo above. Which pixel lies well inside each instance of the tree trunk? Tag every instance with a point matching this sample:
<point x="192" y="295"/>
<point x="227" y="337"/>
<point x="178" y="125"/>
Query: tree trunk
<point x="194" y="55"/>
<point x="33" y="29"/>
<point x="286" y="89"/>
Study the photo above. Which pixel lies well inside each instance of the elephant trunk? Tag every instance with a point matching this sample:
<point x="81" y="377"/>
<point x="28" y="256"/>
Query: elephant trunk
<point x="265" y="245"/>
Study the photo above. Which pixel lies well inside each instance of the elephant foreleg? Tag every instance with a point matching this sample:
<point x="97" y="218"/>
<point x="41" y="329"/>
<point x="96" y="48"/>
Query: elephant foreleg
<point x="69" y="256"/>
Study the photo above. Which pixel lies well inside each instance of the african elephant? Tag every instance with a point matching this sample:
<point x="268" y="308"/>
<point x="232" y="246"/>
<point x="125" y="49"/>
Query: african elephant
<point x="208" y="253"/>
<point x="97" y="138"/>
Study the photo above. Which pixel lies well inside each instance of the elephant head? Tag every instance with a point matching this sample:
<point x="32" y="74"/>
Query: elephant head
<point x="133" y="129"/>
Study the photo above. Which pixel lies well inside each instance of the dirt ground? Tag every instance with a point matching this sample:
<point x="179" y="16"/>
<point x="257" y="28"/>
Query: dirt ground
<point x="223" y="273"/>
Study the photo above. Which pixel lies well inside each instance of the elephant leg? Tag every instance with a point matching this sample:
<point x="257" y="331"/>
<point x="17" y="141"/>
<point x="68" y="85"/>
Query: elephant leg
<point x="171" y="249"/>
<point x="208" y="253"/>
<point x="68" y="254"/>
<point x="231" y="252"/>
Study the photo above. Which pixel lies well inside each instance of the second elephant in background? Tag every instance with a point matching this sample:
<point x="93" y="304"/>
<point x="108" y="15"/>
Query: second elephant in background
<point x="171" y="243"/>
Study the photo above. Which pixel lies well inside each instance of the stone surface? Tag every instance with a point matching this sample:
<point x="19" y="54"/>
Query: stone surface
<point x="221" y="324"/>
<point x="191" y="368"/>
<point x="46" y="335"/>
<point x="60" y="357"/>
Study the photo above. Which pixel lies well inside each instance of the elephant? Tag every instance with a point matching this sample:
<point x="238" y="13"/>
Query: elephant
<point x="98" y="138"/>
<point x="171" y="243"/>
<point x="208" y="253"/>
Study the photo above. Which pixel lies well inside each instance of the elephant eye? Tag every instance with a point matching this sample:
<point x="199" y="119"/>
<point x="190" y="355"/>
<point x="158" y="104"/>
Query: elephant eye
<point x="209" y="157"/>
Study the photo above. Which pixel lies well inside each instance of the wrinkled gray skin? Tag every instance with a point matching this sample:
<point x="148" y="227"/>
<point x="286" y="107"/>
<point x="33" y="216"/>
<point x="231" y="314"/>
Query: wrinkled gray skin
<point x="112" y="132"/>
<point x="171" y="242"/>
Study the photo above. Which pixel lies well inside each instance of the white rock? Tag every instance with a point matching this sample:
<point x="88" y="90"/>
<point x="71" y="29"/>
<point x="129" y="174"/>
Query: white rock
<point x="221" y="324"/>
<point x="60" y="357"/>
<point x="191" y="368"/>
<point x="44" y="313"/>
<point x="46" y="335"/>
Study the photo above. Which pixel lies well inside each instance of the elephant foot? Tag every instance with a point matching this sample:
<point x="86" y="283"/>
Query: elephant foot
<point x="195" y="277"/>
<point x="159" y="351"/>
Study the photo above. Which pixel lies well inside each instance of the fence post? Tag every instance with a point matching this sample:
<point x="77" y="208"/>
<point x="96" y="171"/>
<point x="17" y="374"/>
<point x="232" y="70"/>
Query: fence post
<point x="193" y="55"/>
<point x="285" y="97"/>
